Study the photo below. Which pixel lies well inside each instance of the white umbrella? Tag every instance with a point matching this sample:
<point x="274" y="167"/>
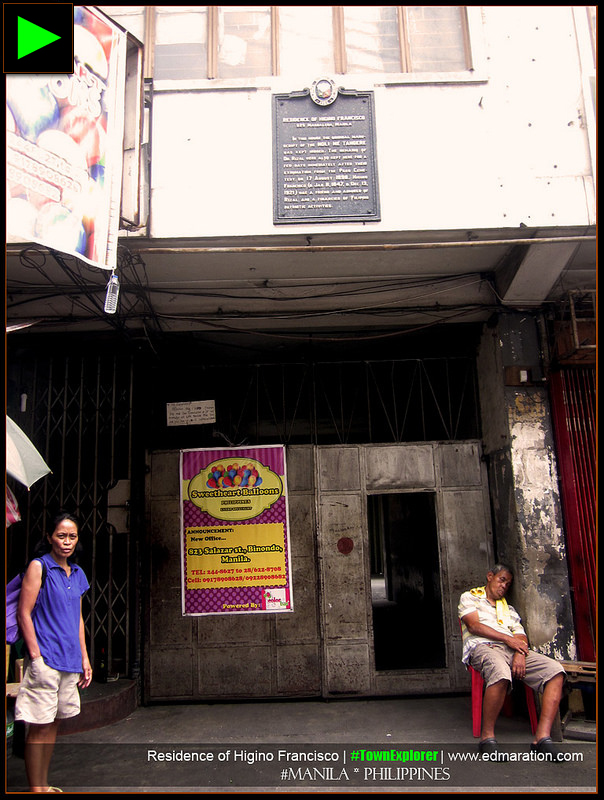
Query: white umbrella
<point x="23" y="462"/>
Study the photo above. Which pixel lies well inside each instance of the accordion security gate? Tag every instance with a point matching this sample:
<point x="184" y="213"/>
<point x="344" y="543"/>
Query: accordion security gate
<point x="78" y="413"/>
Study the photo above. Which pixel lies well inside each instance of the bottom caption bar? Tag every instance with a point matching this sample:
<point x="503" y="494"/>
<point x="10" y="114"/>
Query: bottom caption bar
<point x="340" y="766"/>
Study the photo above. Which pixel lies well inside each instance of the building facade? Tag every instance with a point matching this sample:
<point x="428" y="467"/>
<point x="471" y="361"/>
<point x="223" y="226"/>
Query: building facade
<point x="366" y="234"/>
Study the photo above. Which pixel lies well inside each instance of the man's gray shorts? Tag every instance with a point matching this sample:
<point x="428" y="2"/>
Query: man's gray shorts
<point x="494" y="662"/>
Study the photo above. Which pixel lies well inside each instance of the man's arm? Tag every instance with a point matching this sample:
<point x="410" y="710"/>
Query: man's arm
<point x="517" y="642"/>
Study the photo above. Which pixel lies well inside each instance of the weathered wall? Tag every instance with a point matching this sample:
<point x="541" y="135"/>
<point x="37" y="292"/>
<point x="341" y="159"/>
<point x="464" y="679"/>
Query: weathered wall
<point x="326" y="646"/>
<point x="524" y="489"/>
<point x="231" y="655"/>
<point x="541" y="563"/>
<point x="454" y="472"/>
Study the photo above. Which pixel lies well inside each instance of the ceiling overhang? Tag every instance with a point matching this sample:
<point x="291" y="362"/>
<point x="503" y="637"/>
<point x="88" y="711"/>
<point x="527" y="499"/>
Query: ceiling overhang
<point x="292" y="282"/>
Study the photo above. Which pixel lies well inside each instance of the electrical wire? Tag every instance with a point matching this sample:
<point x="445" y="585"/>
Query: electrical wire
<point x="136" y="295"/>
<point x="321" y="338"/>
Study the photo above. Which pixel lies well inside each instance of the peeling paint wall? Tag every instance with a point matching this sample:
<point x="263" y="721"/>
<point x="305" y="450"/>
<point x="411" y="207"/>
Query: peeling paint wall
<point x="541" y="560"/>
<point x="525" y="498"/>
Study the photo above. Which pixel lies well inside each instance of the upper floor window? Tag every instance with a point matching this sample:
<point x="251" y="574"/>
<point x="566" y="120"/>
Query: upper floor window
<point x="405" y="39"/>
<point x="243" y="42"/>
<point x="372" y="38"/>
<point x="253" y="41"/>
<point x="181" y="42"/>
<point x="436" y="37"/>
<point x="306" y="37"/>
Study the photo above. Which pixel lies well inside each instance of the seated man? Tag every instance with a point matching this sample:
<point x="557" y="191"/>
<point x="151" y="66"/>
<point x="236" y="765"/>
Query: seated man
<point x="495" y="644"/>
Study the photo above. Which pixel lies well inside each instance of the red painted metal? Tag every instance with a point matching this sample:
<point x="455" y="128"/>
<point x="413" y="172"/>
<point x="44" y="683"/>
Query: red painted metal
<point x="574" y="415"/>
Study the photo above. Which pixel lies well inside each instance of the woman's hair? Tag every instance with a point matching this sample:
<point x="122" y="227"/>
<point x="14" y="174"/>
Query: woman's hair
<point x="44" y="545"/>
<point x="61" y="517"/>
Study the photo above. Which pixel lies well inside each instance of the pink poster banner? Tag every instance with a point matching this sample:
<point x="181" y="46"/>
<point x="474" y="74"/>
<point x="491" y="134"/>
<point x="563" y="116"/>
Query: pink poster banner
<point x="235" y="531"/>
<point x="64" y="139"/>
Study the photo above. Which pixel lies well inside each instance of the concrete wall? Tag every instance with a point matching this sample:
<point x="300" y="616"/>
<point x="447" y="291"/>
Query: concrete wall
<point x="232" y="655"/>
<point x="511" y="137"/>
<point x="524" y="491"/>
<point x="325" y="647"/>
<point x="454" y="472"/>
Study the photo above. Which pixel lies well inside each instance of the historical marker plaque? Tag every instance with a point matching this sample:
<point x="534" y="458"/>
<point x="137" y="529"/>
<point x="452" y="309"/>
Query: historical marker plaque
<point x="324" y="161"/>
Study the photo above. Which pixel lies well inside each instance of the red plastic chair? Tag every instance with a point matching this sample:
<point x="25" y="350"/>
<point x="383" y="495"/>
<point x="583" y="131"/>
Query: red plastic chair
<point x="477" y="688"/>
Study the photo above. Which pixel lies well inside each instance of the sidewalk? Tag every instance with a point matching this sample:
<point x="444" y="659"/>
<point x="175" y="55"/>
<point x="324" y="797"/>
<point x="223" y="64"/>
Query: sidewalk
<point x="307" y="746"/>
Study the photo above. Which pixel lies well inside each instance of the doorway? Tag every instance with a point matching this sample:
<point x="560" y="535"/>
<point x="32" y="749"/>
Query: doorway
<point x="406" y="597"/>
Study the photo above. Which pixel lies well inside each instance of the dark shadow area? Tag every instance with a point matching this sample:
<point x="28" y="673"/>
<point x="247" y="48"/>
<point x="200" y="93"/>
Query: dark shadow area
<point x="406" y="598"/>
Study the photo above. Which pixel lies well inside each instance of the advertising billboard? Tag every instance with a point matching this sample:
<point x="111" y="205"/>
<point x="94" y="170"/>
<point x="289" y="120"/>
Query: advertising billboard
<point x="64" y="147"/>
<point x="235" y="531"/>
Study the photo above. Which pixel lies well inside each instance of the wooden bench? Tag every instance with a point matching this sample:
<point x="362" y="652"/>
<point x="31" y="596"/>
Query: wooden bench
<point x="580" y="671"/>
<point x="581" y="676"/>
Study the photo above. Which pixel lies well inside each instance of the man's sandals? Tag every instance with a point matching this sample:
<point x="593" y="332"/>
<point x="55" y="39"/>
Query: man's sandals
<point x="544" y="747"/>
<point x="491" y="746"/>
<point x="488" y="746"/>
<point x="547" y="747"/>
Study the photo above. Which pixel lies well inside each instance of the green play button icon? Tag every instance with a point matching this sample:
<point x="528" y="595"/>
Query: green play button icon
<point x="31" y="37"/>
<point x="38" y="38"/>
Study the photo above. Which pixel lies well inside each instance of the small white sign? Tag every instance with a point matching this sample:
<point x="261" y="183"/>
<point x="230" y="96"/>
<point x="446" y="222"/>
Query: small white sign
<point x="197" y="412"/>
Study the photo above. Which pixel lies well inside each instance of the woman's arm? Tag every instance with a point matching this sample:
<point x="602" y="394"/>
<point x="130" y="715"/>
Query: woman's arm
<point x="30" y="588"/>
<point x="86" y="677"/>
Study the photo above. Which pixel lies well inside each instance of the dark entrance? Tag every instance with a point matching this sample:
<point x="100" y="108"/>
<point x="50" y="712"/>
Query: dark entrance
<point x="405" y="582"/>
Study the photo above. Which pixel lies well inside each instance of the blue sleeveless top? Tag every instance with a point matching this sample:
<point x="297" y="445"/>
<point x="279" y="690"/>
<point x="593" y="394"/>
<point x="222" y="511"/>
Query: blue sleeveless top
<point x="57" y="616"/>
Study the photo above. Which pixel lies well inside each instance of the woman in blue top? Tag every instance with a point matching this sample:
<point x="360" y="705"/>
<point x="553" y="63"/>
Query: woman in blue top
<point x="51" y="621"/>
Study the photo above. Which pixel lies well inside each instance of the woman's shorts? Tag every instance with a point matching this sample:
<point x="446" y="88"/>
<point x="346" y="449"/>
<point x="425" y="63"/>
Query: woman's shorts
<point x="47" y="694"/>
<point x="494" y="662"/>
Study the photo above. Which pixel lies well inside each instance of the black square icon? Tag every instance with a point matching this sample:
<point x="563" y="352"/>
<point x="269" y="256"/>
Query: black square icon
<point x="38" y="38"/>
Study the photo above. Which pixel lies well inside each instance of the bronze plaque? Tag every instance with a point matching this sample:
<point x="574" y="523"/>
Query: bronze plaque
<point x="324" y="157"/>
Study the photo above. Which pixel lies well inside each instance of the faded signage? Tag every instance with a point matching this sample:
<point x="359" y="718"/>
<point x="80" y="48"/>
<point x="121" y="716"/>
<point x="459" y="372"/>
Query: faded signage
<point x="64" y="147"/>
<point x="196" y="412"/>
<point x="235" y="531"/>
